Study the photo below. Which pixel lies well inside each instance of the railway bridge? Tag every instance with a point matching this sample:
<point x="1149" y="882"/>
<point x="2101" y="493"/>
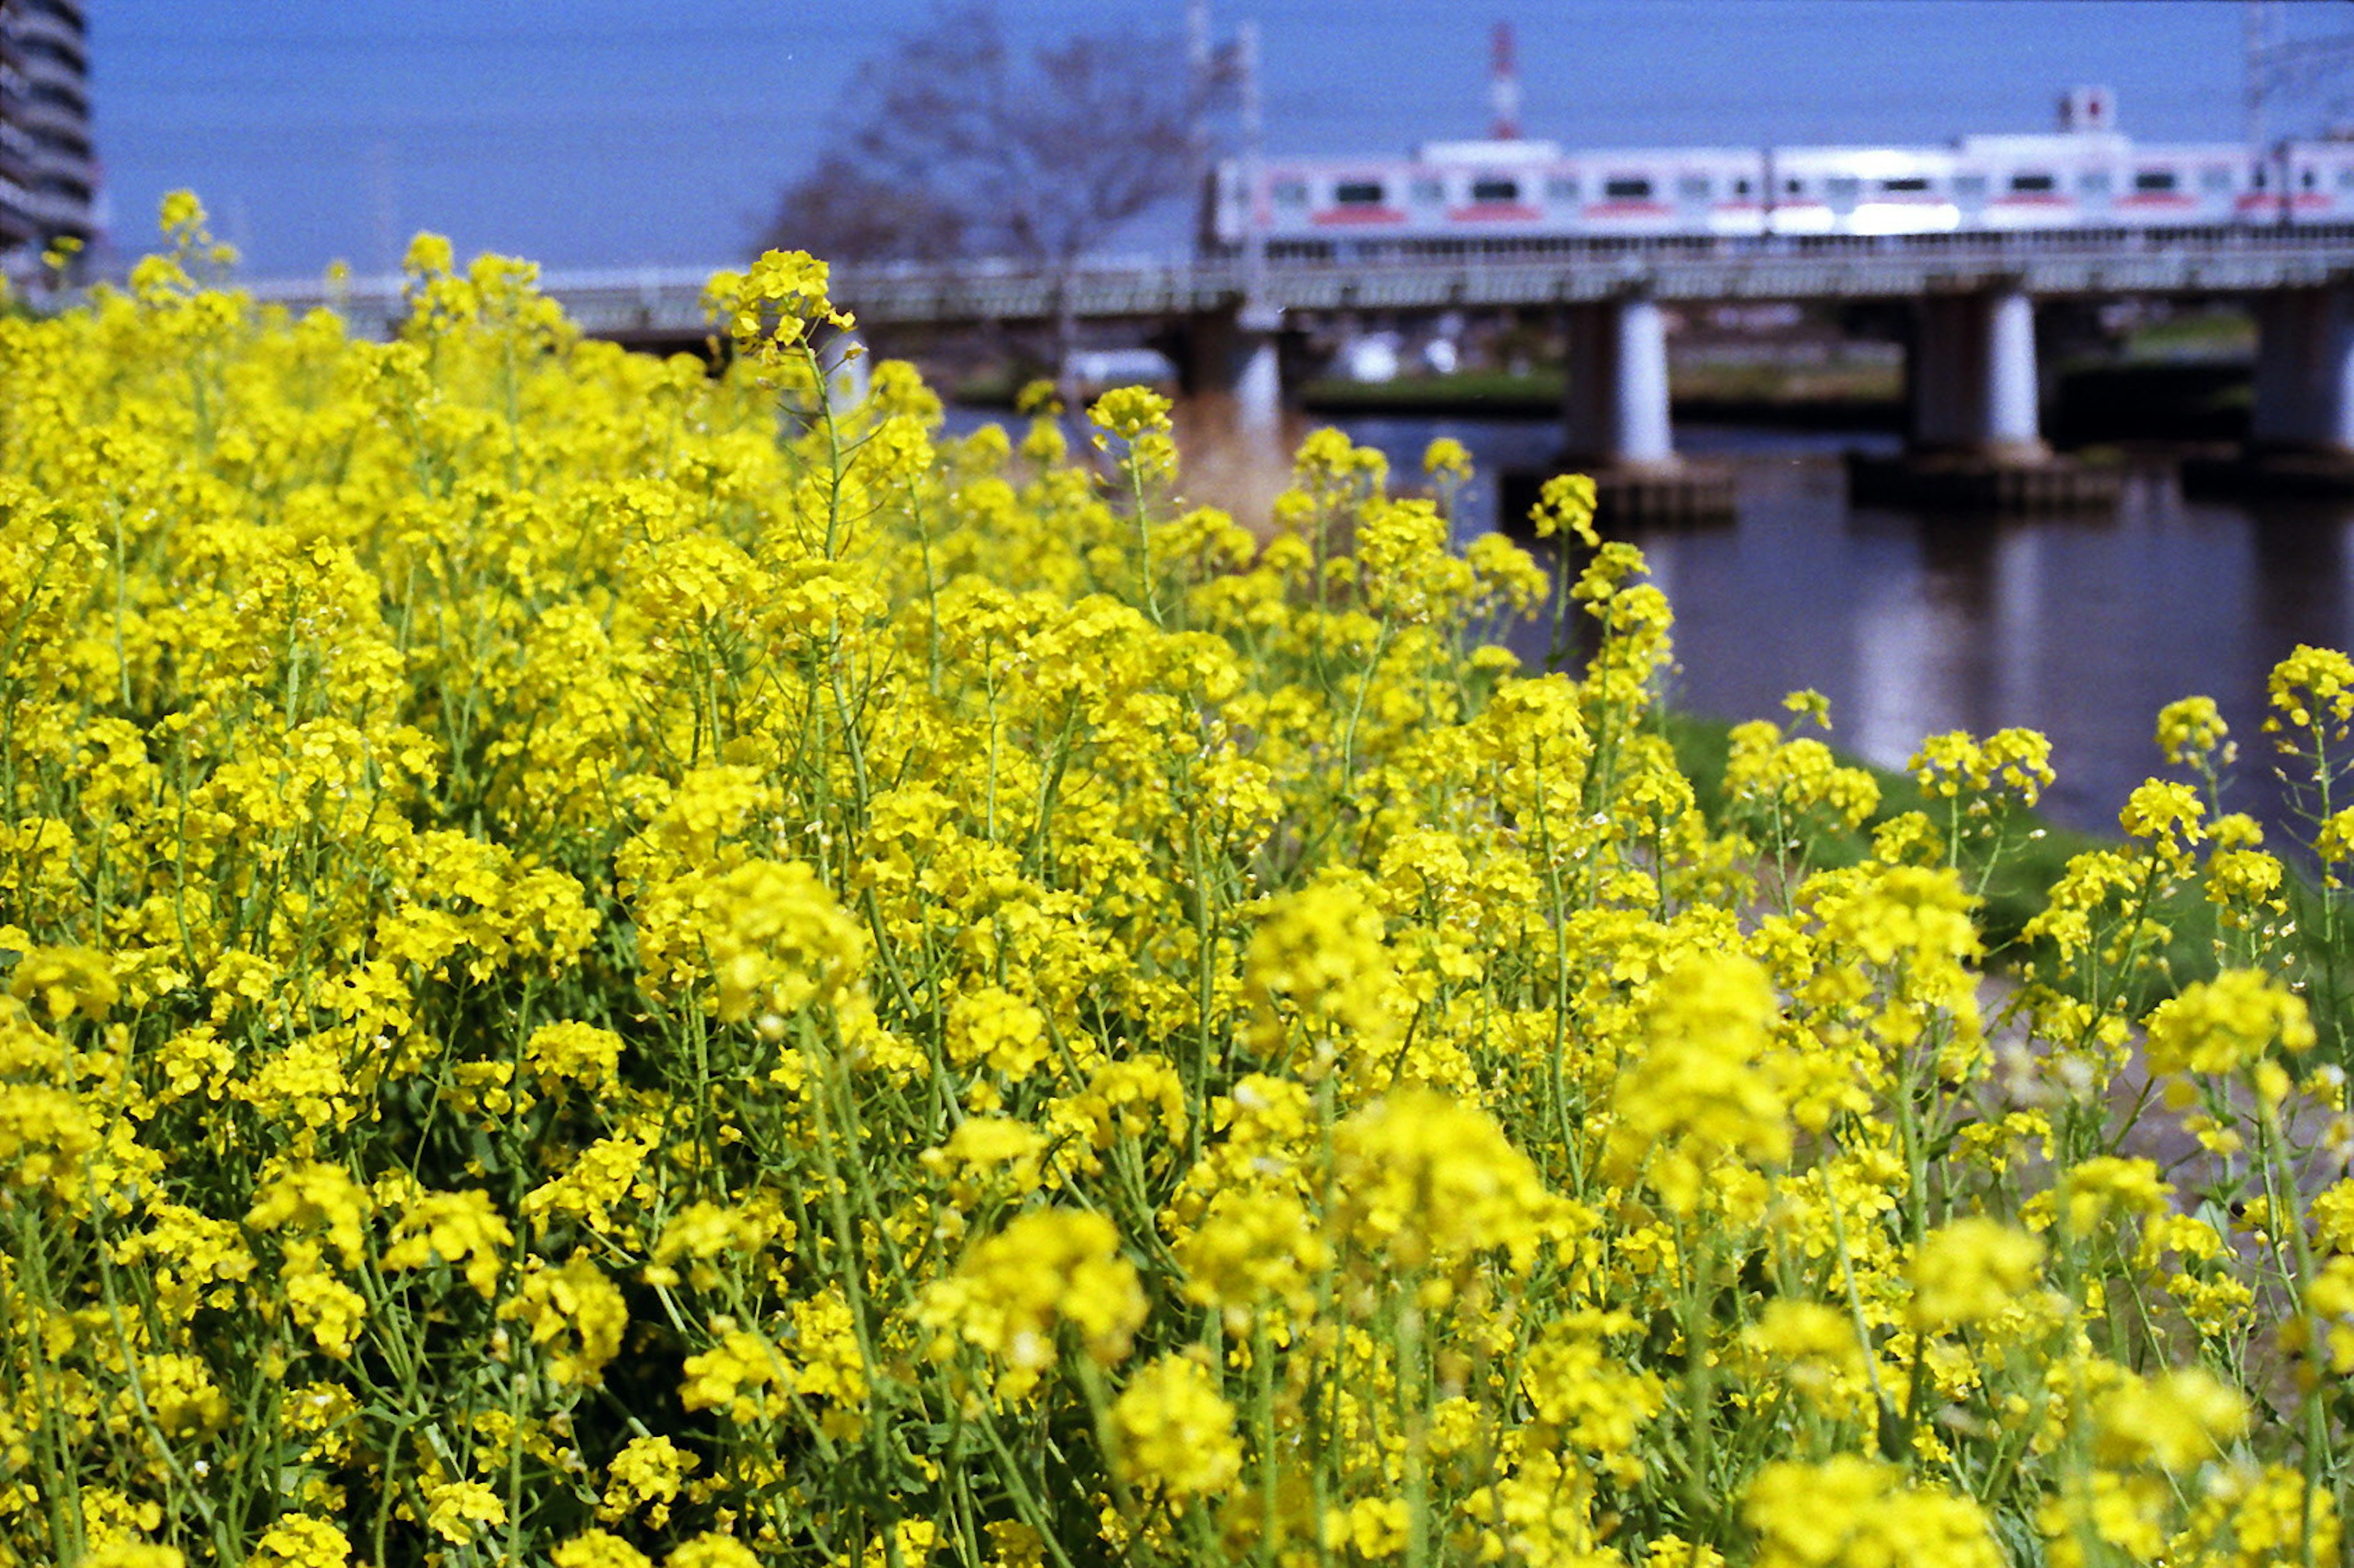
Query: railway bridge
<point x="1971" y="360"/>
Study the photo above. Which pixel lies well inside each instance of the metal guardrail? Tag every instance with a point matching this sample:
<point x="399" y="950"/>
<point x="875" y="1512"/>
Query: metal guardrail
<point x="667" y="303"/>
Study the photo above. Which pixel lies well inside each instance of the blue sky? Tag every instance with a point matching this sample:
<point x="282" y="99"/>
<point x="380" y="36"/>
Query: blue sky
<point x="595" y="132"/>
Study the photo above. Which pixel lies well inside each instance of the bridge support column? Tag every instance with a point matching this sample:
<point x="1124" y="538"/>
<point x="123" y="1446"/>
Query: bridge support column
<point x="2304" y="372"/>
<point x="1237" y="369"/>
<point x="1972" y="375"/>
<point x="2301" y="428"/>
<point x="1976" y="442"/>
<point x="848" y="371"/>
<point x="1616" y="419"/>
<point x="1615" y="404"/>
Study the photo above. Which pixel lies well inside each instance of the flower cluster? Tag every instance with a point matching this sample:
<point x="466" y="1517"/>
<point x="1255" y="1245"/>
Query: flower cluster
<point x="609" y="962"/>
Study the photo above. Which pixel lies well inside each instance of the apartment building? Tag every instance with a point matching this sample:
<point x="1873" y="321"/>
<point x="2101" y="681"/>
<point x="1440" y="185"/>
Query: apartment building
<point x="48" y="175"/>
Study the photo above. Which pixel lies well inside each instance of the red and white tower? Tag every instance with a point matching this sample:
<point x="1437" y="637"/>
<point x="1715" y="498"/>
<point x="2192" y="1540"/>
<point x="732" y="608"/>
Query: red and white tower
<point x="1504" y="86"/>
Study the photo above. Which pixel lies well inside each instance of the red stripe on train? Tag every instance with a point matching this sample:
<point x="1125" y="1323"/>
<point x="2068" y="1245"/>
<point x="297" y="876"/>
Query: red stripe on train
<point x="1486" y="211"/>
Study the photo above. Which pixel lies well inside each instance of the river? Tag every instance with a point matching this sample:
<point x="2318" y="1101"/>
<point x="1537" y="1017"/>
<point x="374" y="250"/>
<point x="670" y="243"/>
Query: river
<point x="1916" y="623"/>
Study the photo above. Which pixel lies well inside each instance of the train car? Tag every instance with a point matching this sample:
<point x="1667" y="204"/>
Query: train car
<point x="1453" y="192"/>
<point x="1681" y="190"/>
<point x="1451" y="196"/>
<point x="2306" y="181"/>
<point x="1861" y="190"/>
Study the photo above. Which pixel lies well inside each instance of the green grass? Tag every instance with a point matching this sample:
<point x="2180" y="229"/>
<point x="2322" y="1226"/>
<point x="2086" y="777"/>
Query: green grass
<point x="2206" y="336"/>
<point x="1538" y="392"/>
<point x="2035" y="852"/>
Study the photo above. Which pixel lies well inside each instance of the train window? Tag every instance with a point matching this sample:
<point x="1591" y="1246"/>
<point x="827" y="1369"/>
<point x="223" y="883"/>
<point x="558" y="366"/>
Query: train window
<point x="2308" y="178"/>
<point x="1969" y="184"/>
<point x="2258" y="181"/>
<point x="2093" y="181"/>
<point x="1429" y="191"/>
<point x="1291" y="193"/>
<point x="2154" y="179"/>
<point x="1741" y="187"/>
<point x="1906" y="182"/>
<point x="2214" y="179"/>
<point x="1561" y="187"/>
<point x="2346" y="179"/>
<point x="1358" y="193"/>
<point x="1842" y="187"/>
<point x="1793" y="186"/>
<point x="2034" y="183"/>
<point x="1695" y="187"/>
<point x="1626" y="189"/>
<point x="1495" y="190"/>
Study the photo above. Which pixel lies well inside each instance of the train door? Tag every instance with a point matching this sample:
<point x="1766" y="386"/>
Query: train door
<point x="2215" y="195"/>
<point x="1564" y="194"/>
<point x="2264" y="202"/>
<point x="1841" y="193"/>
<point x="2096" y="197"/>
<point x="1969" y="193"/>
<point x="2309" y="197"/>
<point x="1695" y="199"/>
<point x="1740" y="204"/>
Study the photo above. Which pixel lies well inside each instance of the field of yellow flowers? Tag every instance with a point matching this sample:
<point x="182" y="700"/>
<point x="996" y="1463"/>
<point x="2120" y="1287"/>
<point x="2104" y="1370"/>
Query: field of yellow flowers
<point x="607" y="965"/>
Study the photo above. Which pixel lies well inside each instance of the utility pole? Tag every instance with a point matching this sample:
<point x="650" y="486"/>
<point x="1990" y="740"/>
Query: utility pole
<point x="1253" y="159"/>
<point x="1256" y="355"/>
<point x="382" y="209"/>
<point x="2258" y="25"/>
<point x="1201" y="79"/>
<point x="2278" y="65"/>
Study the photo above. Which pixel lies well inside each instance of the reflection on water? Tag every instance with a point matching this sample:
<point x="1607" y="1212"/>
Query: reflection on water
<point x="2081" y="628"/>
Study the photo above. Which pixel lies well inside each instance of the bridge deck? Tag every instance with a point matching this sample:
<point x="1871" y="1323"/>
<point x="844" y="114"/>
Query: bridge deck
<point x="668" y="303"/>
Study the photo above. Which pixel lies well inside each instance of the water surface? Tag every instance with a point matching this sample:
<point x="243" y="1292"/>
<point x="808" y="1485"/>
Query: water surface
<point x="1915" y="623"/>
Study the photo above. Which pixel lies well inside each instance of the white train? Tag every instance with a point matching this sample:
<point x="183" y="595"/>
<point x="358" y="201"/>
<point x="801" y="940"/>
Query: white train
<point x="1510" y="194"/>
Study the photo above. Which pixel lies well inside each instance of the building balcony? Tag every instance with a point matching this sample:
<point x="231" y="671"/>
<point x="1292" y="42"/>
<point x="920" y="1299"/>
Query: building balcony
<point x="56" y="62"/>
<point x="45" y="75"/>
<point x="71" y="14"/>
<point x="63" y="213"/>
<point x="21" y="212"/>
<point x="41" y="115"/>
<point x="79" y="168"/>
<point x="32" y="26"/>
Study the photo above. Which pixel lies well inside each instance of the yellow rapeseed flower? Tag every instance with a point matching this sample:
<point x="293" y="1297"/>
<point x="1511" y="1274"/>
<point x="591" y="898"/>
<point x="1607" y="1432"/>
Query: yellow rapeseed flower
<point x="1176" y="1431"/>
<point x="1970" y="1271"/>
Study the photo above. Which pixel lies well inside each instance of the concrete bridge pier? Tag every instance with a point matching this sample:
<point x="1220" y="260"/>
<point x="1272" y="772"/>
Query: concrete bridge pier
<point x="1975" y="441"/>
<point x="2304" y="372"/>
<point x="1616" y="418"/>
<point x="1232" y="422"/>
<point x="1235" y="370"/>
<point x="1616" y="403"/>
<point x="848" y="370"/>
<point x="1971" y="378"/>
<point x="2301" y="427"/>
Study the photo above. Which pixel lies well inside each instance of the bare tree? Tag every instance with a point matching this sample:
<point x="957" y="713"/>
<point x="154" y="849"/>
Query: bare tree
<point x="840" y="211"/>
<point x="959" y="142"/>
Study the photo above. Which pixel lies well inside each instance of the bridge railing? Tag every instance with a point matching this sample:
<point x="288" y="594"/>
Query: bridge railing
<point x="666" y="304"/>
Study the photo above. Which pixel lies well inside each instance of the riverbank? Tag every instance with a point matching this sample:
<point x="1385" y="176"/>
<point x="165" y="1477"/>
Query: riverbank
<point x="1826" y="396"/>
